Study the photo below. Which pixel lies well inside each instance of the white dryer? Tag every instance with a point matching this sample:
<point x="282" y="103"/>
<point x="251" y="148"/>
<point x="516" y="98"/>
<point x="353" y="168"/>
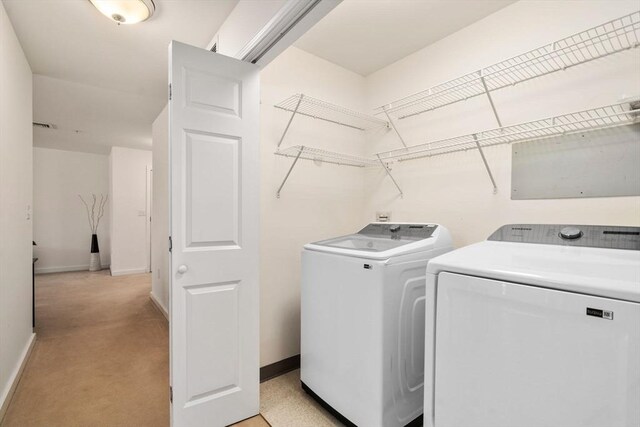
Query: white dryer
<point x="362" y="312"/>
<point x="539" y="326"/>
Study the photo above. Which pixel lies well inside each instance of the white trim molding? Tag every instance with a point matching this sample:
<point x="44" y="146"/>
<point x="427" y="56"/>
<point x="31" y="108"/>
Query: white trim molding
<point x="129" y="271"/>
<point x="159" y="305"/>
<point x="14" y="379"/>
<point x="64" y="269"/>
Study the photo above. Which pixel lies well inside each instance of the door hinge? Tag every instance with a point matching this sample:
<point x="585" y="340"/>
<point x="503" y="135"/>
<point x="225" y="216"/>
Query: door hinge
<point x="170" y="394"/>
<point x="169" y="91"/>
<point x="170" y="244"/>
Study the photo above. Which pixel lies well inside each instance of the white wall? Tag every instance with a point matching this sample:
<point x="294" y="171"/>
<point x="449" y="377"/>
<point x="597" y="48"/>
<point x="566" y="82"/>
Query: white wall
<point x="454" y="189"/>
<point x="318" y="201"/>
<point x="321" y="201"/>
<point x="160" y="211"/>
<point x="16" y="184"/>
<point x="60" y="224"/>
<point x="128" y="227"/>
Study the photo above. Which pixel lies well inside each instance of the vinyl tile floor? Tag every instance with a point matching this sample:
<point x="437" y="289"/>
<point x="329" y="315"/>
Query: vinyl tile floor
<point x="101" y="359"/>
<point x="283" y="403"/>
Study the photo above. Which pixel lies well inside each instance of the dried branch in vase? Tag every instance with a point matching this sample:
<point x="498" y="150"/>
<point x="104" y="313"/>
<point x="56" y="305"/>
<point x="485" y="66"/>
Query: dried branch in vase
<point x="96" y="211"/>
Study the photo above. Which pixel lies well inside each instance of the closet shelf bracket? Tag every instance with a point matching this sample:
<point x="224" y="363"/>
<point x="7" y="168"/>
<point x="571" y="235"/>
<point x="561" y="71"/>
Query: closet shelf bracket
<point x="289" y="171"/>
<point x="493" y="107"/>
<point x="486" y="165"/>
<point x="295" y="110"/>
<point x="388" y="171"/>
<point x="393" y="126"/>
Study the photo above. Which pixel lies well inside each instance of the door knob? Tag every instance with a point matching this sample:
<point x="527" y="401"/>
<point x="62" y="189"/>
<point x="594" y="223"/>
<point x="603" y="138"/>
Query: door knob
<point x="183" y="269"/>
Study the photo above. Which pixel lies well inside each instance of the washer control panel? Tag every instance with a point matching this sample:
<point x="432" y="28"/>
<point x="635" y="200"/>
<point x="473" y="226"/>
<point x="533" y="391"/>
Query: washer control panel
<point x="570" y="233"/>
<point x="399" y="231"/>
<point x="594" y="236"/>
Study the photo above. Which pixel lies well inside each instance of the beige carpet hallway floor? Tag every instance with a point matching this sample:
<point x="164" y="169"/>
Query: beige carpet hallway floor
<point x="101" y="359"/>
<point x="101" y="355"/>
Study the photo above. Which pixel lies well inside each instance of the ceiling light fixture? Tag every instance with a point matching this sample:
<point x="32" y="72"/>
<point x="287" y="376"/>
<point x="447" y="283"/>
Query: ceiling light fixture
<point x="125" y="11"/>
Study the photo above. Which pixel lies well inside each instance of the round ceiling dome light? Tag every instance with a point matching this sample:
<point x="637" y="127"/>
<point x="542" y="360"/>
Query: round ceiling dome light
<point x="125" y="11"/>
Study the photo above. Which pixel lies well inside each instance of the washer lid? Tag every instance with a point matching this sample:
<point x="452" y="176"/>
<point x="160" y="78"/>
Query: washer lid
<point x="361" y="242"/>
<point x="611" y="273"/>
<point x="383" y="240"/>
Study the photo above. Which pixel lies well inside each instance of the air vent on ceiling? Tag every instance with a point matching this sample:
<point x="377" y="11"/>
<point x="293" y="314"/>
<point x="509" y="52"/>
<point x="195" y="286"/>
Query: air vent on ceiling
<point x="214" y="48"/>
<point x="44" y="125"/>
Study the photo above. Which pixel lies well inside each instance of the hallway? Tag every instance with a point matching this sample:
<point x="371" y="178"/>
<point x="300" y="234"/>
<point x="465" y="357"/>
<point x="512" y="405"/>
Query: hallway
<point x="101" y="356"/>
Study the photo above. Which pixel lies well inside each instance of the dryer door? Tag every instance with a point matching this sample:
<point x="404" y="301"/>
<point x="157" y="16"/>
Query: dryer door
<point x="514" y="355"/>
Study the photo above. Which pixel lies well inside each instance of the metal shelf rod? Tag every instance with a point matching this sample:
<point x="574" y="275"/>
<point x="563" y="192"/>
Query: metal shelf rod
<point x="493" y="107"/>
<point x="289" y="123"/>
<point x="393" y="126"/>
<point x="289" y="172"/>
<point x="486" y="165"/>
<point x="386" y="169"/>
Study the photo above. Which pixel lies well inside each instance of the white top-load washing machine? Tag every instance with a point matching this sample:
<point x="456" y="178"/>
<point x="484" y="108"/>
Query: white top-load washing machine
<point x="539" y="326"/>
<point x="362" y="312"/>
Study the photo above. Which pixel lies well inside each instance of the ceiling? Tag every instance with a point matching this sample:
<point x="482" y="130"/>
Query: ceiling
<point x="102" y="84"/>
<point x="366" y="35"/>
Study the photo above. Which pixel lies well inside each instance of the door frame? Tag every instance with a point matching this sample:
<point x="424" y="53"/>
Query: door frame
<point x="148" y="209"/>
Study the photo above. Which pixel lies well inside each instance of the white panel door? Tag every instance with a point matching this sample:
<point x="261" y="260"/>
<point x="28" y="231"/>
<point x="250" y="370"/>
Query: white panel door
<point x="214" y="167"/>
<point x="514" y="355"/>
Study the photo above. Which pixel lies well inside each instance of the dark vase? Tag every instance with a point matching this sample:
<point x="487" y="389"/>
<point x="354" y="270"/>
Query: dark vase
<point x="94" y="244"/>
<point x="94" y="262"/>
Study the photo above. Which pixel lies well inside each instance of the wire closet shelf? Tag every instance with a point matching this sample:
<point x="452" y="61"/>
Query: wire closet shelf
<point x="325" y="156"/>
<point x="318" y="109"/>
<point x="606" y="39"/>
<point x="598" y="118"/>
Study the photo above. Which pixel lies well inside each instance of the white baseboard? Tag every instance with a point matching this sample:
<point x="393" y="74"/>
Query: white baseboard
<point x="46" y="270"/>
<point x="159" y="305"/>
<point x="130" y="271"/>
<point x="14" y="379"/>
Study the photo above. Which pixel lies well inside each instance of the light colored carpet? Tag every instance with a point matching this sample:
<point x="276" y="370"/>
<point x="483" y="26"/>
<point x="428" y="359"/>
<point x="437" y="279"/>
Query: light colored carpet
<point x="101" y="356"/>
<point x="101" y="359"/>
<point x="283" y="403"/>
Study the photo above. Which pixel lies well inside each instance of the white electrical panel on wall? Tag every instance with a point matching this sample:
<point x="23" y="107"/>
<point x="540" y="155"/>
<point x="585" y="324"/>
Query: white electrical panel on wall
<point x="602" y="163"/>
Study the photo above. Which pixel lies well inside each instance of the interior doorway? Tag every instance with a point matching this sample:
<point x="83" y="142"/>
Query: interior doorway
<point x="149" y="204"/>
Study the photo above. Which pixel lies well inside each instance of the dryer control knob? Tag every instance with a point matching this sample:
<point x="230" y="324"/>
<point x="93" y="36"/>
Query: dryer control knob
<point x="570" y="233"/>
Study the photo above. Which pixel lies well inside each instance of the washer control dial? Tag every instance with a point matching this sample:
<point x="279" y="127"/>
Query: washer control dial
<point x="570" y="233"/>
<point x="394" y="228"/>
